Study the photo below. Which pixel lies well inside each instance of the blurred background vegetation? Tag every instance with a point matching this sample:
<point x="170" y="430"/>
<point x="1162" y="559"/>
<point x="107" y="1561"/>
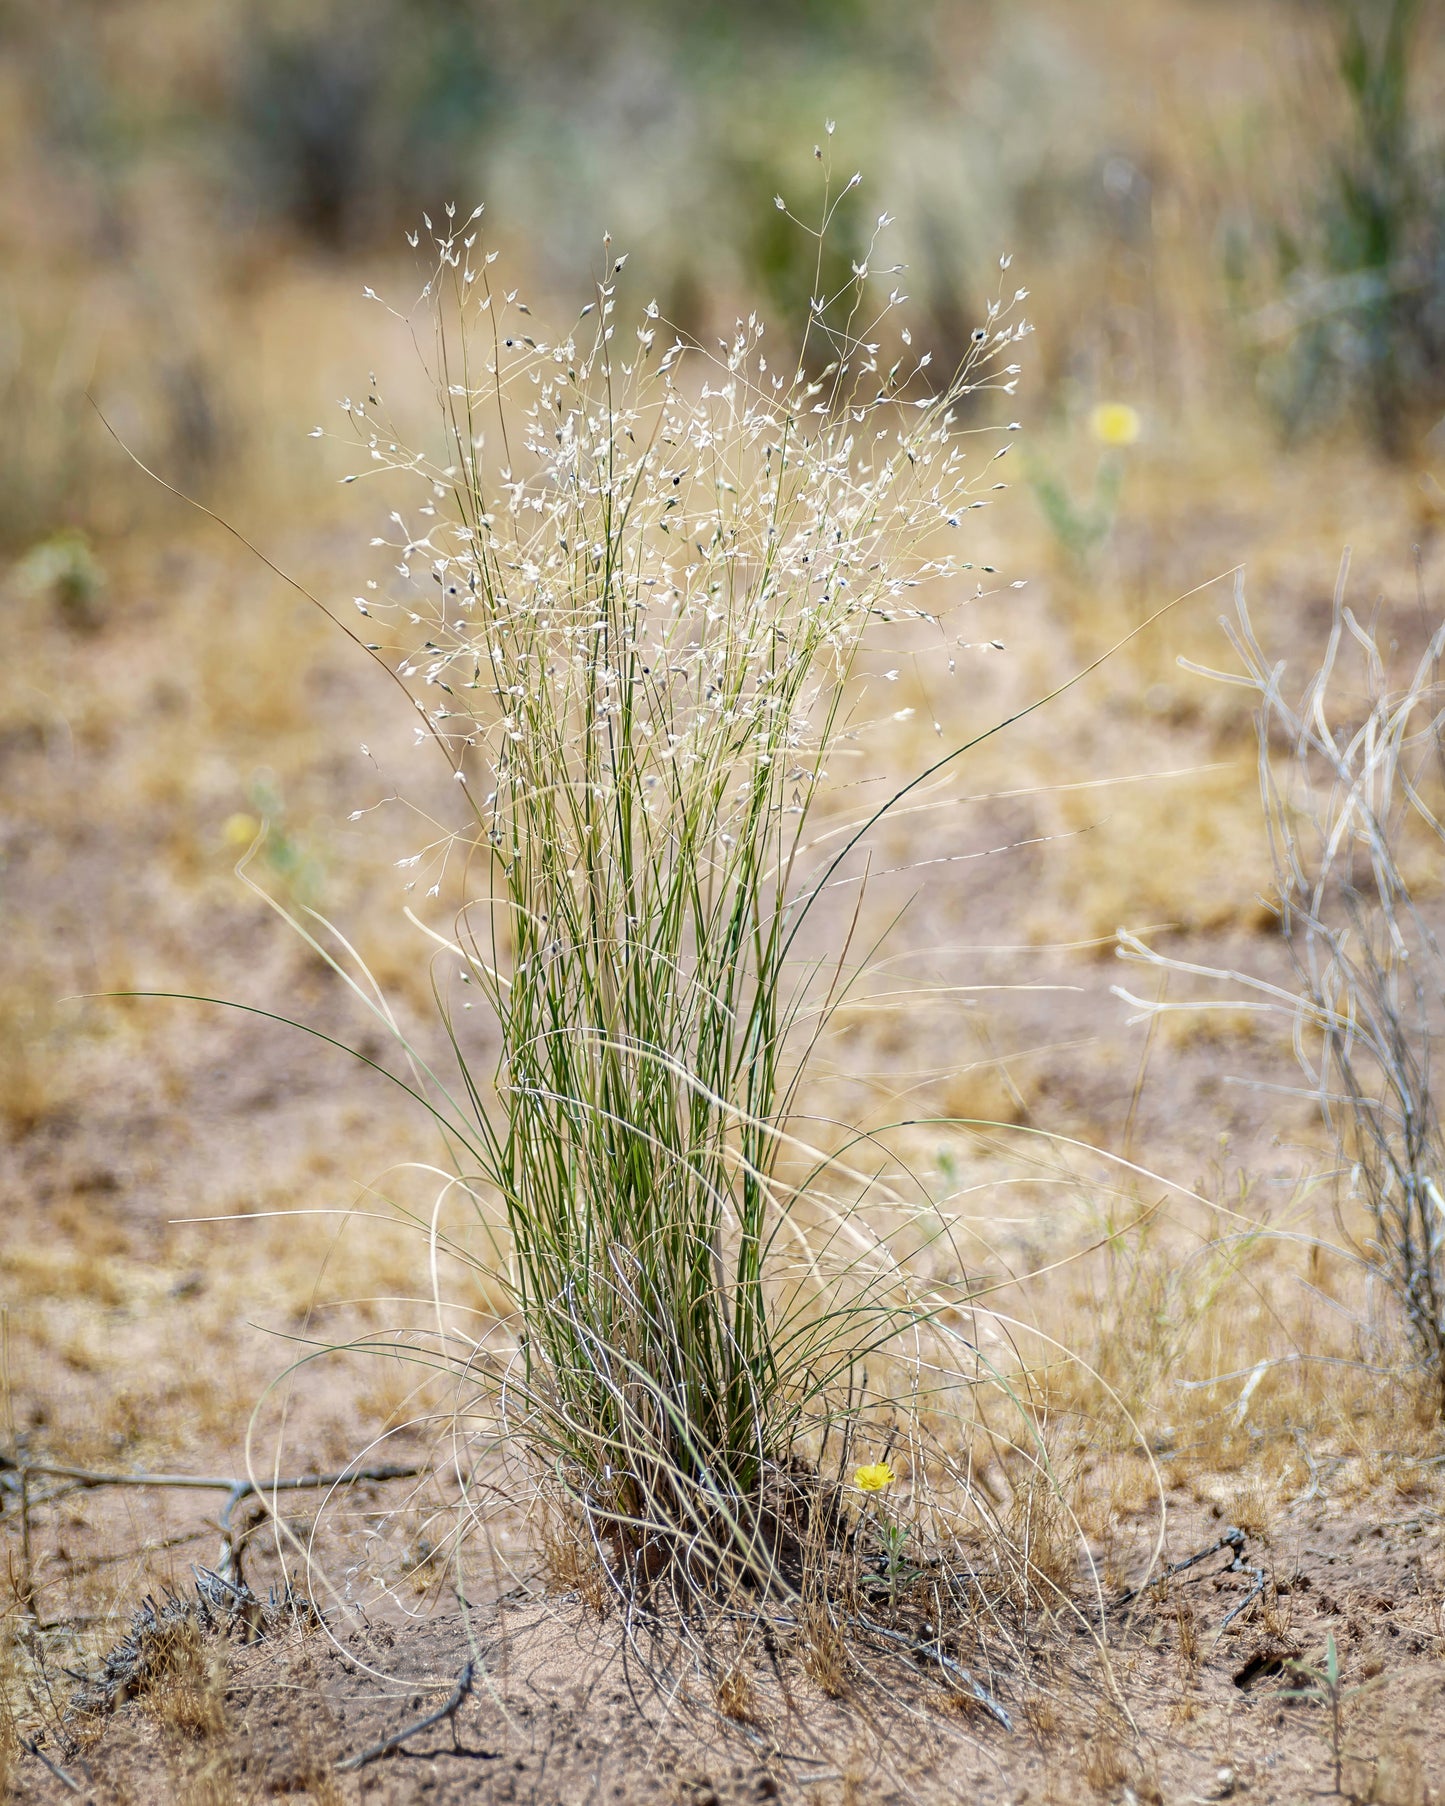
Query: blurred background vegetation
<point x="1227" y="212"/>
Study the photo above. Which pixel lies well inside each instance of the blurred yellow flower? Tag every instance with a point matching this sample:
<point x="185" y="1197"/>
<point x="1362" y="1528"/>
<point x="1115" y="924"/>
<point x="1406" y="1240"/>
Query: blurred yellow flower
<point x="1115" y="423"/>
<point x="874" y="1477"/>
<point x="240" y="830"/>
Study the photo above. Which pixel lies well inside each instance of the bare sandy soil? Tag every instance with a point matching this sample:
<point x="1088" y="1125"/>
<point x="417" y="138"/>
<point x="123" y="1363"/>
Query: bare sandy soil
<point x="569" y="1706"/>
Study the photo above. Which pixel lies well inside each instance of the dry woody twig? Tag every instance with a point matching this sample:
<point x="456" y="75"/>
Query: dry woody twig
<point x="31" y="1746"/>
<point x="229" y="1566"/>
<point x="445" y="1713"/>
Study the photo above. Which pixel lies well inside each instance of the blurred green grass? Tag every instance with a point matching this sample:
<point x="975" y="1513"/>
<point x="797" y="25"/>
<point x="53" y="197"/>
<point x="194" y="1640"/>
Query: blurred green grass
<point x="1227" y="212"/>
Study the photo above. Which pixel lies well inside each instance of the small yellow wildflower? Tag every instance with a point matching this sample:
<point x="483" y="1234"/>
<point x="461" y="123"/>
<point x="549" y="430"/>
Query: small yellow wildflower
<point x="1115" y="423"/>
<point x="874" y="1477"/>
<point x="240" y="830"/>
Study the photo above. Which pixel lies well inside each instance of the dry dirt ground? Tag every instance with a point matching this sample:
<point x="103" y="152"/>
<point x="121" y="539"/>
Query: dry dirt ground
<point x="194" y="1198"/>
<point x="569" y="1706"/>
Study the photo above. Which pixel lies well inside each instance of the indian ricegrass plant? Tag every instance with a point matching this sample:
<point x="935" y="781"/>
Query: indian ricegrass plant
<point x="631" y="596"/>
<point x="1352" y="780"/>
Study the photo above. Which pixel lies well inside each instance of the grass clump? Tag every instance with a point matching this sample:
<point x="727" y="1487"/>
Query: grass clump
<point x="1352" y="781"/>
<point x="635" y="588"/>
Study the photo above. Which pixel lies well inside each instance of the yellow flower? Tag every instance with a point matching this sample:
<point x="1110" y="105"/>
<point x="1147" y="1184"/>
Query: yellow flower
<point x="240" y="830"/>
<point x="874" y="1477"/>
<point x="1115" y="423"/>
